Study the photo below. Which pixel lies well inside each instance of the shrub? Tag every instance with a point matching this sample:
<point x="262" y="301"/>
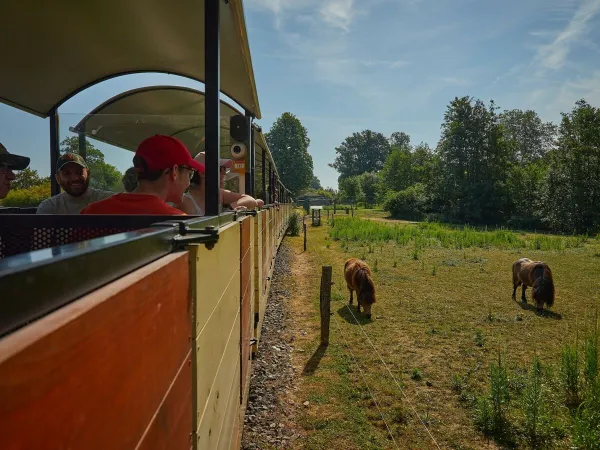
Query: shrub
<point x="294" y="224"/>
<point x="409" y="203"/>
<point x="29" y="197"/>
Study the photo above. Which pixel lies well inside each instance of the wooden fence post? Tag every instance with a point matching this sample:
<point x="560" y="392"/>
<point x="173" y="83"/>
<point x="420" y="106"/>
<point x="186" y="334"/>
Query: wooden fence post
<point x="325" y="303"/>
<point x="304" y="228"/>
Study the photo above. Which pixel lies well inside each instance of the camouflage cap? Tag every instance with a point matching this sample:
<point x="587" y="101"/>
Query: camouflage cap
<point x="70" y="158"/>
<point x="15" y="162"/>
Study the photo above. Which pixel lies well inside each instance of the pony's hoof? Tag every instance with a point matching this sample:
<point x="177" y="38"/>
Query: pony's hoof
<point x="369" y="316"/>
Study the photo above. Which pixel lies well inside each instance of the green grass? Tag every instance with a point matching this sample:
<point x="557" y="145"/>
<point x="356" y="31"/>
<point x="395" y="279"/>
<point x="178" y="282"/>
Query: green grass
<point x="425" y="235"/>
<point x="448" y="314"/>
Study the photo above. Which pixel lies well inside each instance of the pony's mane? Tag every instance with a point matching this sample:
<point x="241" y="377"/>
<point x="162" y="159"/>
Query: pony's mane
<point x="544" y="284"/>
<point x="365" y="281"/>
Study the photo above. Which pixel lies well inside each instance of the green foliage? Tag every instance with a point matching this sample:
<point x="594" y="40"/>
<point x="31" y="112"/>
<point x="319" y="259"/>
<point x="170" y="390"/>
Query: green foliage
<point x="28" y="197"/>
<point x="586" y="425"/>
<point x="400" y="140"/>
<point x="102" y="175"/>
<point x="572" y="198"/>
<point x="350" y="188"/>
<point x="479" y="338"/>
<point x="534" y="406"/>
<point x="410" y="203"/>
<point x="362" y="152"/>
<point x="295" y="224"/>
<point x="315" y="183"/>
<point x="429" y="234"/>
<point x="288" y="141"/>
<point x="416" y="375"/>
<point x="28" y="178"/>
<point x="368" y="186"/>
<point x="492" y="408"/>
<point x="569" y="371"/>
<point x="474" y="163"/>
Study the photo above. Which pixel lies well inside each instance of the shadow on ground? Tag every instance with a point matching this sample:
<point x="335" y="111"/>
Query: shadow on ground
<point x="313" y="363"/>
<point x="546" y="313"/>
<point x="351" y="315"/>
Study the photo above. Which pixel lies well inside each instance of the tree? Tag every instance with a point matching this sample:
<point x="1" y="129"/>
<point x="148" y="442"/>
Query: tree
<point x="27" y="178"/>
<point x="362" y="152"/>
<point x="531" y="139"/>
<point x="315" y="183"/>
<point x="474" y="163"/>
<point x="571" y="200"/>
<point x="400" y="140"/>
<point x="369" y="183"/>
<point x="288" y="141"/>
<point x="396" y="174"/>
<point x="350" y="189"/>
<point x="103" y="175"/>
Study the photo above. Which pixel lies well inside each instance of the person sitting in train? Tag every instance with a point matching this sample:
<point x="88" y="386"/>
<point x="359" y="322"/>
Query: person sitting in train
<point x="129" y="180"/>
<point x="164" y="168"/>
<point x="194" y="200"/>
<point x="8" y="163"/>
<point x="73" y="176"/>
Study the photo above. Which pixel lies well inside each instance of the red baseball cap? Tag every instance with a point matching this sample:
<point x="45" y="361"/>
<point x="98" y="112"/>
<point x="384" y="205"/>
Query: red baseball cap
<point x="162" y="152"/>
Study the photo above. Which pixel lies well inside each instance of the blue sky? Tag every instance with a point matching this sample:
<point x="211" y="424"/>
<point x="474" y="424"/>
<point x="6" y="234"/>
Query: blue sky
<point x="388" y="65"/>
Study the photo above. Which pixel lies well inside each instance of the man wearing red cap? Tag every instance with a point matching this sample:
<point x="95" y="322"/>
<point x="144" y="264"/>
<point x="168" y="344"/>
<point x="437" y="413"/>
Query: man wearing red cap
<point x="164" y="167"/>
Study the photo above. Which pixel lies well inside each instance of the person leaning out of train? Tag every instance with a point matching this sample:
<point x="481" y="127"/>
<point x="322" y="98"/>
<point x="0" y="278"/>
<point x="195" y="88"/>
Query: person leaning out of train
<point x="164" y="167"/>
<point x="229" y="198"/>
<point x="8" y="163"/>
<point x="193" y="202"/>
<point x="73" y="176"/>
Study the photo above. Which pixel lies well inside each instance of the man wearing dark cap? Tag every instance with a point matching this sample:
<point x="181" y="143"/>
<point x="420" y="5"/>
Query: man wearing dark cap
<point x="164" y="167"/>
<point x="73" y="176"/>
<point x="8" y="163"/>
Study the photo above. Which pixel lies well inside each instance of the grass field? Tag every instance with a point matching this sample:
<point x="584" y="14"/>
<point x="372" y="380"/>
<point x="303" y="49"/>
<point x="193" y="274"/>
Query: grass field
<point x="448" y="349"/>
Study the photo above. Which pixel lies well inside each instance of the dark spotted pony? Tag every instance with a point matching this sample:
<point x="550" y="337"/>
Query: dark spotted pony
<point x="358" y="278"/>
<point x="538" y="275"/>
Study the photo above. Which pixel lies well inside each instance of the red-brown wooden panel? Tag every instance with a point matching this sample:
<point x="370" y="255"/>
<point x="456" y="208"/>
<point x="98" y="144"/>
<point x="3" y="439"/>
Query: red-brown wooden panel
<point x="171" y="426"/>
<point x="93" y="374"/>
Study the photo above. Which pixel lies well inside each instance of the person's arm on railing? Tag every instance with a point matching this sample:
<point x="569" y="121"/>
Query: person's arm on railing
<point x="236" y="200"/>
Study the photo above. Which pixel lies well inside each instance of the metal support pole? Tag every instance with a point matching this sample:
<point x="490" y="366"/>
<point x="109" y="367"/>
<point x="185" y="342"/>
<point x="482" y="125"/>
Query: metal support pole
<point x="54" y="151"/>
<point x="270" y="183"/>
<point x="304" y="230"/>
<point x="325" y="303"/>
<point x="82" y="146"/>
<point x="212" y="111"/>
<point x="250" y="166"/>
<point x="263" y="158"/>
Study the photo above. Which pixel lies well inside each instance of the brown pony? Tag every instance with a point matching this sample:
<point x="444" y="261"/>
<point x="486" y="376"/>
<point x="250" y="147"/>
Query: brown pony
<point x="358" y="278"/>
<point x="538" y="275"/>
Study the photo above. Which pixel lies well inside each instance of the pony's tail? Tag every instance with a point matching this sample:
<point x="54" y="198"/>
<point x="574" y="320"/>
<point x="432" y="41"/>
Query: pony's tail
<point x="546" y="286"/>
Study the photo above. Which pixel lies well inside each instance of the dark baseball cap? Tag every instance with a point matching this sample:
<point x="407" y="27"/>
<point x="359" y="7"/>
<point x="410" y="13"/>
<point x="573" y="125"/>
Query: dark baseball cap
<point x="15" y="162"/>
<point x="162" y="152"/>
<point x="70" y="158"/>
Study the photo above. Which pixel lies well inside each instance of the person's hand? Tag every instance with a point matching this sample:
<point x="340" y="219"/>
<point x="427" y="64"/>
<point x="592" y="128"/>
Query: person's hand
<point x="240" y="208"/>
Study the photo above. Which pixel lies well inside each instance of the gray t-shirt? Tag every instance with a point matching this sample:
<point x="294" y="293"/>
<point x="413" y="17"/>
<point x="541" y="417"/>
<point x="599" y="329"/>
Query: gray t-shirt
<point x="64" y="203"/>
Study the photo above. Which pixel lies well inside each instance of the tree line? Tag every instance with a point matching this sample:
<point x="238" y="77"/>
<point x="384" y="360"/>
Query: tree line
<point x="489" y="167"/>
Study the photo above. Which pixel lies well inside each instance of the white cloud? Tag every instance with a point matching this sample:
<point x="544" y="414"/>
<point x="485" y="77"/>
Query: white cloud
<point x="554" y="55"/>
<point x="338" y="13"/>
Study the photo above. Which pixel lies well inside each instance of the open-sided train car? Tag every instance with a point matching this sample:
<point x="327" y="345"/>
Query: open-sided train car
<point x="128" y="332"/>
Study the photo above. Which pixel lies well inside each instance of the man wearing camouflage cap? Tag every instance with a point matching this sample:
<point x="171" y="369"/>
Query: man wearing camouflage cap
<point x="8" y="163"/>
<point x="73" y="176"/>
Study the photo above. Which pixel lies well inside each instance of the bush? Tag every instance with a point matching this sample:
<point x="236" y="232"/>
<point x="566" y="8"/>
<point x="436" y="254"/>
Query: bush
<point x="294" y="224"/>
<point x="29" y="197"/>
<point x="410" y="203"/>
